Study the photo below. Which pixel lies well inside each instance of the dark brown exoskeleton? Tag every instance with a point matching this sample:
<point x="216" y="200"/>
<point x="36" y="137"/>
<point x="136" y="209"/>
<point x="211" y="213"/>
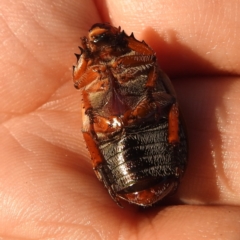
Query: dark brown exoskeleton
<point x="130" y="117"/>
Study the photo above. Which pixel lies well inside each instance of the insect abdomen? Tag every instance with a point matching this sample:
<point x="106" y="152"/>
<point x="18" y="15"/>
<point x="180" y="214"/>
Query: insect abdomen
<point x="142" y="155"/>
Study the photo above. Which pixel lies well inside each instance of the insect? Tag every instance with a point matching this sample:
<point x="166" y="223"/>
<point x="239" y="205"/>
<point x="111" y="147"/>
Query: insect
<point x="130" y="117"/>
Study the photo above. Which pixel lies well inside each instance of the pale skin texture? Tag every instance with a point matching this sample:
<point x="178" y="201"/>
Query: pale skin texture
<point x="47" y="187"/>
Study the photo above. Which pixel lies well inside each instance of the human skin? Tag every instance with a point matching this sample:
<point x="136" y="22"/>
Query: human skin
<point x="48" y="189"/>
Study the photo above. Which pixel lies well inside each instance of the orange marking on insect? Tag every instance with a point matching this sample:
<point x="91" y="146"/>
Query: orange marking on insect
<point x="138" y="46"/>
<point x="150" y="195"/>
<point x="173" y="128"/>
<point x="79" y="70"/>
<point x="93" y="149"/>
<point x="95" y="32"/>
<point x="107" y="125"/>
<point x="152" y="76"/>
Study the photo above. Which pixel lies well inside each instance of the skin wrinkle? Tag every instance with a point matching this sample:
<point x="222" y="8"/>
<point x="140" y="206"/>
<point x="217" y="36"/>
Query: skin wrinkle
<point x="29" y="52"/>
<point x="40" y="15"/>
<point x="18" y="137"/>
<point x="125" y="226"/>
<point x="35" y="108"/>
<point x="235" y="31"/>
<point x="58" y="229"/>
<point x="56" y="141"/>
<point x="223" y="121"/>
<point x="13" y="135"/>
<point x="40" y="23"/>
<point x="11" y="26"/>
<point x="5" y="27"/>
<point x="226" y="180"/>
<point x="153" y="227"/>
<point x="15" y="38"/>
